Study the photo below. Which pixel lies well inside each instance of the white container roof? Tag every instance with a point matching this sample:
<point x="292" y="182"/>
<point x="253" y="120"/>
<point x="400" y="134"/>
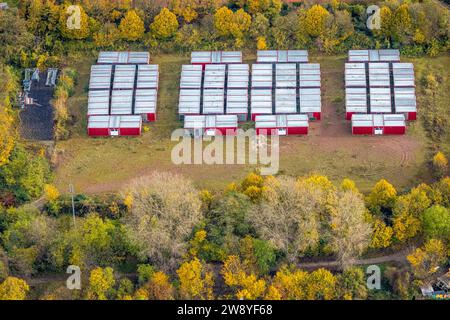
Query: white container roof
<point x="148" y="76"/>
<point x="282" y="56"/>
<point x="362" y="120"/>
<point x="403" y="74"/>
<point x="382" y="55"/>
<point x="281" y="121"/>
<point x="285" y="101"/>
<point x="379" y="74"/>
<point x="145" y="101"/>
<point x="213" y="101"/>
<point x="214" y="76"/>
<point x="214" y="57"/>
<point x="309" y="74"/>
<point x="98" y="102"/>
<point x="121" y="102"/>
<point x="189" y="102"/>
<point x="124" y="77"/>
<point x="210" y="121"/>
<point x="114" y="122"/>
<point x="394" y="120"/>
<point x="355" y="75"/>
<point x="123" y="57"/>
<point x="100" y="77"/>
<point x="191" y="77"/>
<point x="237" y="101"/>
<point x="310" y="100"/>
<point x="238" y="75"/>
<point x="262" y="76"/>
<point x="286" y="75"/>
<point x="380" y="100"/>
<point x="378" y="120"/>
<point x="356" y="100"/>
<point x="261" y="101"/>
<point x="405" y="100"/>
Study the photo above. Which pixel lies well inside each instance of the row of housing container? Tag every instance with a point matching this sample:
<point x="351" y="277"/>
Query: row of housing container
<point x="123" y="92"/>
<point x="376" y="83"/>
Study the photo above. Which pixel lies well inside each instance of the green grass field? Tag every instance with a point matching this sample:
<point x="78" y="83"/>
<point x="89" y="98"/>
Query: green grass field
<point x="106" y="164"/>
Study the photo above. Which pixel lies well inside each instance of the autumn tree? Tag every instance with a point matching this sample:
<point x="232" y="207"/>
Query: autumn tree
<point x="321" y="285"/>
<point x="402" y="22"/>
<point x="246" y="285"/>
<point x="382" y="234"/>
<point x="159" y="287"/>
<point x="13" y="289"/>
<point x="350" y="231"/>
<point x="426" y="260"/>
<point x="74" y="23"/>
<point x="289" y="284"/>
<point x="131" y="27"/>
<point x="190" y="10"/>
<point x="232" y="24"/>
<point x="440" y="164"/>
<point x="351" y="284"/>
<point x="436" y="222"/>
<point x="270" y="8"/>
<point x="101" y="282"/>
<point x="196" y="282"/>
<point x="382" y="197"/>
<point x="165" y="24"/>
<point x="288" y="216"/>
<point x="312" y="21"/>
<point x="165" y="208"/>
<point x="8" y="83"/>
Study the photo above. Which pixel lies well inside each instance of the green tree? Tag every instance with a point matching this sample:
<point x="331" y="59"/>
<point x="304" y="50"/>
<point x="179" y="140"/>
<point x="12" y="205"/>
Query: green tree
<point x="436" y="222"/>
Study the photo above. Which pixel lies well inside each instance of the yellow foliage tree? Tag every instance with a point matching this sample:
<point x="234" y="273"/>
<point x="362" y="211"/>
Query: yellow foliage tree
<point x="8" y="85"/>
<point x="131" y="27"/>
<point x="100" y="282"/>
<point x="261" y="43"/>
<point x="313" y="21"/>
<point x="248" y="286"/>
<point x="165" y="24"/>
<point x="13" y="289"/>
<point x="195" y="281"/>
<point x="51" y="192"/>
<point x="159" y="287"/>
<point x="74" y="23"/>
<point x="349" y="185"/>
<point x="440" y="164"/>
<point x="290" y="285"/>
<point x="382" y="235"/>
<point x="426" y="261"/>
<point x="232" y="24"/>
<point x="321" y="285"/>
<point x="382" y="196"/>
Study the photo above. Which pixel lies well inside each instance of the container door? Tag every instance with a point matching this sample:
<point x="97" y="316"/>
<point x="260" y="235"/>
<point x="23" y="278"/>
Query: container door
<point x="282" y="132"/>
<point x="114" y="132"/>
<point x="210" y="132"/>
<point x="378" y="131"/>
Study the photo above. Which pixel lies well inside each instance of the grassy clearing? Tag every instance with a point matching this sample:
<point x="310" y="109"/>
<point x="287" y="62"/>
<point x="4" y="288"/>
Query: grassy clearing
<point x="105" y="165"/>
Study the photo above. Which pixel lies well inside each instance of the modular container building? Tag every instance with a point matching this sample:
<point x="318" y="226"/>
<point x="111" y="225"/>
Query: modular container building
<point x="285" y="101"/>
<point x="379" y="74"/>
<point x="262" y="76"/>
<point x="378" y="124"/>
<point x="237" y="103"/>
<point x="100" y="77"/>
<point x="189" y="102"/>
<point x="214" y="76"/>
<point x="282" y="124"/>
<point x="309" y="75"/>
<point x="147" y="76"/>
<point x="123" y="57"/>
<point x="98" y="103"/>
<point x="405" y="102"/>
<point x="282" y="56"/>
<point x="122" y="102"/>
<point x="213" y="101"/>
<point x="211" y="125"/>
<point x="191" y="77"/>
<point x="238" y="76"/>
<point x="355" y="101"/>
<point x="145" y="102"/>
<point x="204" y="58"/>
<point x="380" y="100"/>
<point x="311" y="102"/>
<point x="382" y="55"/>
<point x="261" y="102"/>
<point x="403" y="74"/>
<point x="286" y="75"/>
<point x="124" y="77"/>
<point x="114" y="126"/>
<point x="355" y="75"/>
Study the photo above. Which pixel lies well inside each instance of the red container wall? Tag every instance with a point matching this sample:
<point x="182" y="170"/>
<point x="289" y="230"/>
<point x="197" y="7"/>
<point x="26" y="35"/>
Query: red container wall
<point x="254" y="116"/>
<point x="267" y="131"/>
<point x="202" y="64"/>
<point x="225" y="131"/>
<point x="151" y="117"/>
<point x="317" y="115"/>
<point x="412" y="116"/>
<point x="348" y="115"/>
<point x="98" y="132"/>
<point x="297" y="130"/>
<point x="362" y="130"/>
<point x="394" y="130"/>
<point x="130" y="131"/>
